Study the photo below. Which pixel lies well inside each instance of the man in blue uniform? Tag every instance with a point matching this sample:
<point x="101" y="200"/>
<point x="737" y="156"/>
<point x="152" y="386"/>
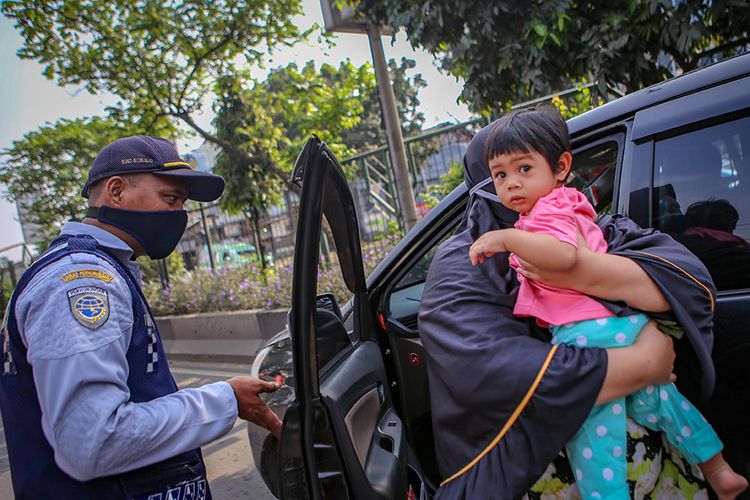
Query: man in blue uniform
<point x="89" y="406"/>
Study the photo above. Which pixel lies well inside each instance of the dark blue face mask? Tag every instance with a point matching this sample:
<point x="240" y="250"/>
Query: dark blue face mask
<point x="157" y="232"/>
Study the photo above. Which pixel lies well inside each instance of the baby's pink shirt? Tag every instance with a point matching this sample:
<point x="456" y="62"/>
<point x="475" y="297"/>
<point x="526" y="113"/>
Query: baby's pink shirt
<point x="558" y="214"/>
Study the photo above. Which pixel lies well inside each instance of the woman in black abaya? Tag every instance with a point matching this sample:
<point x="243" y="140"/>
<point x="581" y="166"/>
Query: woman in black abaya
<point x="505" y="401"/>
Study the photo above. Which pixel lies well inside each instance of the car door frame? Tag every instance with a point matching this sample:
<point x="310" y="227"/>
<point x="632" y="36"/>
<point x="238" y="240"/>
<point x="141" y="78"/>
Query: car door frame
<point x="316" y="444"/>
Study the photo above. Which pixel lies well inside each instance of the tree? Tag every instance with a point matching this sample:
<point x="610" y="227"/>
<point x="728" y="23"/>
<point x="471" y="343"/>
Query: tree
<point x="45" y="170"/>
<point x="512" y="51"/>
<point x="369" y="132"/>
<point x="159" y="58"/>
<point x="277" y="116"/>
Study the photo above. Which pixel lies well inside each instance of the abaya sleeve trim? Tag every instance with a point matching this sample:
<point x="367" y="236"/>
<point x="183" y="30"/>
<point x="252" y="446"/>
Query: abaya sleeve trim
<point x="513" y="417"/>
<point x="707" y="290"/>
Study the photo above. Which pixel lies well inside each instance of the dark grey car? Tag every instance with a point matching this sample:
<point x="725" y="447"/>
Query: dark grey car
<point x="674" y="156"/>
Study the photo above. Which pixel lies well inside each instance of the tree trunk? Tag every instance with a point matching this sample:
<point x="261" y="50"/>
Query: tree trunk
<point x="258" y="237"/>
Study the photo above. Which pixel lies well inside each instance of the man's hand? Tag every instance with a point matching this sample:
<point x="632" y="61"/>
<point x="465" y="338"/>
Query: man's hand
<point x="250" y="407"/>
<point x="487" y="245"/>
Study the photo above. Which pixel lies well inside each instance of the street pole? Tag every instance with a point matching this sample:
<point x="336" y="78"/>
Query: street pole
<point x="393" y="131"/>
<point x="209" y="242"/>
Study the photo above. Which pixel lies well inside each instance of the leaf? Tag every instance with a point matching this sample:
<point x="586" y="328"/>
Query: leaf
<point x="540" y="29"/>
<point x="160" y="59"/>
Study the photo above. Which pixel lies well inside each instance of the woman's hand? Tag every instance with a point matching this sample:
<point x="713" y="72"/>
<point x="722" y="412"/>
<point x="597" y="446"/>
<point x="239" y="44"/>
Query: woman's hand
<point x="656" y="352"/>
<point x="569" y="279"/>
<point x="649" y="361"/>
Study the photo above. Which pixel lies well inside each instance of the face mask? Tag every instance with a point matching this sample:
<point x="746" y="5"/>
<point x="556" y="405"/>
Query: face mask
<point x="157" y="232"/>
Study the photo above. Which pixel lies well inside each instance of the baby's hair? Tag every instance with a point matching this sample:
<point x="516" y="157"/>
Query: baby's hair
<point x="539" y="129"/>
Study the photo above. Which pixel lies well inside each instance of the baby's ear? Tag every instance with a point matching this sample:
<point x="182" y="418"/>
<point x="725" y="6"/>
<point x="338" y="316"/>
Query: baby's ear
<point x="564" y="165"/>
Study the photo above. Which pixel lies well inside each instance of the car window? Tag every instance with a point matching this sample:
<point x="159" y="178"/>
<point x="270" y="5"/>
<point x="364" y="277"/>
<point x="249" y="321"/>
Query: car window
<point x="701" y="196"/>
<point x="417" y="274"/>
<point x="406" y="294"/>
<point x="331" y="335"/>
<point x="593" y="173"/>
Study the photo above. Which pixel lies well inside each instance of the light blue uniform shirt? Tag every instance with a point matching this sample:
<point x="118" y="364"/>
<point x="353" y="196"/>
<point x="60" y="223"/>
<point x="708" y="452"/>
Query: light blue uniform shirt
<point x="81" y="374"/>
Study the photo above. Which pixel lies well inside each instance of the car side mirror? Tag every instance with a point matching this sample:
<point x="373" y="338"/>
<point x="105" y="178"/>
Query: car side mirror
<point x="328" y="302"/>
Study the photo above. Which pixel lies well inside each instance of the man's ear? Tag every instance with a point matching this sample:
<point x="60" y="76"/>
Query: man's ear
<point x="111" y="192"/>
<point x="564" y="165"/>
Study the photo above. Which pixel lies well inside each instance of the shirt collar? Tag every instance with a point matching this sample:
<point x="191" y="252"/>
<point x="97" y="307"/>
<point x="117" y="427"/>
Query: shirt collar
<point x="106" y="239"/>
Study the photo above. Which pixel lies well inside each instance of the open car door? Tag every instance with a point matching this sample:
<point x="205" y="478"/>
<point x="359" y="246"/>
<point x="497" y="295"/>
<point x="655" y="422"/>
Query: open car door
<point x="341" y="437"/>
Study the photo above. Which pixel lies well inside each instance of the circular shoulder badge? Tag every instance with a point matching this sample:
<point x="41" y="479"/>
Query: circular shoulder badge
<point x="89" y="305"/>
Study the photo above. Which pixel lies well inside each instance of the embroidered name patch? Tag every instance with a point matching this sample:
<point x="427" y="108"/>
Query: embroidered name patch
<point x="130" y="161"/>
<point x="89" y="305"/>
<point x="87" y="273"/>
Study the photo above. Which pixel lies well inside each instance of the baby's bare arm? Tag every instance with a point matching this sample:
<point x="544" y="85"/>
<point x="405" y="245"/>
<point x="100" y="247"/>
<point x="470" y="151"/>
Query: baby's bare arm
<point x="542" y="250"/>
<point x="607" y="276"/>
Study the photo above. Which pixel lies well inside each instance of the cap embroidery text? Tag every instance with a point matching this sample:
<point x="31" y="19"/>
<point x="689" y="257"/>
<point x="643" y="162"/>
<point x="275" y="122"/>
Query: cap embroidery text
<point x="128" y="161"/>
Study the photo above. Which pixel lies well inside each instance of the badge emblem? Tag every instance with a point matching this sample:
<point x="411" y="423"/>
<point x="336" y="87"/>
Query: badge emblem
<point x="89" y="305"/>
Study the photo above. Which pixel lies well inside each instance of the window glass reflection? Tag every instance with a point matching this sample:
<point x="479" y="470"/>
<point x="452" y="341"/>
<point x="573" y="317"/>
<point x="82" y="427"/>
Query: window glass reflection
<point x="702" y="198"/>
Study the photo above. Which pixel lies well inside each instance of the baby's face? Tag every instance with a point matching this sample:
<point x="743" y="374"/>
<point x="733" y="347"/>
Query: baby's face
<point x="522" y="178"/>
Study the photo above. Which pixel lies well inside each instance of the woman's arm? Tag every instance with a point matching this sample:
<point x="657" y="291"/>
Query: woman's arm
<point x="649" y="361"/>
<point x="606" y="276"/>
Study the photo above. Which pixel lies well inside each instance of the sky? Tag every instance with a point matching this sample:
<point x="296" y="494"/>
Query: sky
<point x="28" y="100"/>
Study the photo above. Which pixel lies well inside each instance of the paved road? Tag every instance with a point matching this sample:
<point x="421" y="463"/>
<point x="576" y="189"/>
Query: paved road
<point x="229" y="463"/>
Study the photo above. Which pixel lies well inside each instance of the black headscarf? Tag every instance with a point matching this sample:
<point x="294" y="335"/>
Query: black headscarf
<point x="483" y="361"/>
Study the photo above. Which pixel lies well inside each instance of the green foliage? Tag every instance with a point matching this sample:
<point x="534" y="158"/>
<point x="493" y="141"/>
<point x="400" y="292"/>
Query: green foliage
<point x="159" y="58"/>
<point x="45" y="170"/>
<point x="513" y="51"/>
<point x="578" y="103"/>
<point x="6" y="285"/>
<point x="201" y="290"/>
<point x="248" y="287"/>
<point x="272" y="119"/>
<point x="369" y="132"/>
<point x="164" y="59"/>
<point x="150" y="268"/>
<point x="452" y="178"/>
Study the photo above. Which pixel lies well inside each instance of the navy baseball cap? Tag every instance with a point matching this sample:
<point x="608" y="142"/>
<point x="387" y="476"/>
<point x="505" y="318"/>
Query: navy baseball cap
<point x="145" y="154"/>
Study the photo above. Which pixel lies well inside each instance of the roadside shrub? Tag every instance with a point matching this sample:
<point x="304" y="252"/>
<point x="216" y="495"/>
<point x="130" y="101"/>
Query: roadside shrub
<point x="249" y="287"/>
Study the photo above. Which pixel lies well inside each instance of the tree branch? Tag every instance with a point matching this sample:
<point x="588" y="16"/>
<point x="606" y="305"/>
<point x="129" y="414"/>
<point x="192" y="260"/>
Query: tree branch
<point x="232" y="149"/>
<point x="725" y="46"/>
<point x="199" y="60"/>
<point x="684" y="63"/>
